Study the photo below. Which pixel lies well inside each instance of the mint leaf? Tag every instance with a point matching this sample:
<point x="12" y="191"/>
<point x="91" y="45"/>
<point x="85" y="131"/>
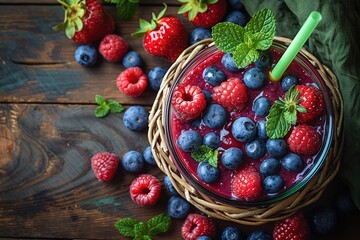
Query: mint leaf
<point x="102" y="111"/>
<point x="107" y="106"/>
<point x="159" y="224"/>
<point x="262" y="21"/>
<point x="244" y="55"/>
<point x="206" y="154"/>
<point x="115" y="107"/>
<point x="277" y="125"/>
<point x="290" y="117"/>
<point x="261" y="41"/>
<point x="126" y="9"/>
<point x="125" y="226"/>
<point x="100" y="99"/>
<point x="227" y="36"/>
<point x="144" y="237"/>
<point x="140" y="230"/>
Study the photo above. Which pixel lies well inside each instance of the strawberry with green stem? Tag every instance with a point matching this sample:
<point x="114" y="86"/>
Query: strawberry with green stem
<point x="203" y="13"/>
<point x="85" y="21"/>
<point x="164" y="36"/>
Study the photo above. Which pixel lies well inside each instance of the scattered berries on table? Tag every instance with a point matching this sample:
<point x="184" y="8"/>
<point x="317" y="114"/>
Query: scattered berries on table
<point x="304" y="139"/>
<point x="133" y="161"/>
<point x="208" y="173"/>
<point x="196" y="225"/>
<point x="259" y="235"/>
<point x="136" y="118"/>
<point x="236" y="4"/>
<point x="324" y="220"/>
<point x="148" y="156"/>
<point x="178" y="207"/>
<point x="231" y="94"/>
<point x="145" y="190"/>
<point x="189" y="140"/>
<point x="188" y="102"/>
<point x="104" y="165"/>
<point x="198" y="34"/>
<point x="171" y="36"/>
<point x="86" y="55"/>
<point x="215" y="116"/>
<point x="232" y="233"/>
<point x="169" y="186"/>
<point x="132" y="59"/>
<point x="155" y="77"/>
<point x="237" y="17"/>
<point x="312" y="100"/>
<point x="113" y="47"/>
<point x="132" y="81"/>
<point x="293" y="227"/>
<point x="204" y="13"/>
<point x="247" y="183"/>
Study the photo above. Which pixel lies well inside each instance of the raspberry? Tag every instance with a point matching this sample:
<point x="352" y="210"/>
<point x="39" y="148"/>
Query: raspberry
<point x="304" y="139"/>
<point x="247" y="183"/>
<point x="132" y="81"/>
<point x="104" y="165"/>
<point x="188" y="102"/>
<point x="293" y="228"/>
<point x="196" y="225"/>
<point x="231" y="94"/>
<point x="312" y="101"/>
<point x="113" y="47"/>
<point x="145" y="190"/>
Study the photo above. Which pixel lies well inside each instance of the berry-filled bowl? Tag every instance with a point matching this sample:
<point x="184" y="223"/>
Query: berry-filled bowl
<point x="222" y="134"/>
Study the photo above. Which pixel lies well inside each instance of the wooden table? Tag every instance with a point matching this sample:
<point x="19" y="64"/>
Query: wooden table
<point x="48" y="131"/>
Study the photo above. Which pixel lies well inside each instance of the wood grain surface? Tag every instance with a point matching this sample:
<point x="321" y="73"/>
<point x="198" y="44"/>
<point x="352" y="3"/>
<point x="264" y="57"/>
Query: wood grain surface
<point x="48" y="131"/>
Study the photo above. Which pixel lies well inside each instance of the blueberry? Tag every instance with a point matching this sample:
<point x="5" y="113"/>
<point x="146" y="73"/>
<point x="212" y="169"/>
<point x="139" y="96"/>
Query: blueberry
<point x="273" y="183"/>
<point x="259" y="235"/>
<point x="203" y="238"/>
<point x="169" y="186"/>
<point x="136" y="118"/>
<point x="324" y="220"/>
<point x="86" y="55"/>
<point x="237" y="17"/>
<point x="231" y="233"/>
<point x="264" y="60"/>
<point x="211" y="140"/>
<point x="255" y="149"/>
<point x="215" y="116"/>
<point x="255" y="78"/>
<point x="232" y="158"/>
<point x="261" y="106"/>
<point x="261" y="129"/>
<point x="178" y="207"/>
<point x="213" y="76"/>
<point x="208" y="96"/>
<point x="288" y="81"/>
<point x="208" y="173"/>
<point x="196" y="123"/>
<point x="270" y="166"/>
<point x="155" y="77"/>
<point x="293" y="163"/>
<point x="133" y="161"/>
<point x="235" y="4"/>
<point x="198" y="34"/>
<point x="345" y="203"/>
<point x="148" y="156"/>
<point x="228" y="62"/>
<point x="189" y="140"/>
<point x="277" y="147"/>
<point x="132" y="59"/>
<point x="243" y="129"/>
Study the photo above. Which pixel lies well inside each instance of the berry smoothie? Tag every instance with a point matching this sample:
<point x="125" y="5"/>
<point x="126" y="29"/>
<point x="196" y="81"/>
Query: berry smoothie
<point x="220" y="189"/>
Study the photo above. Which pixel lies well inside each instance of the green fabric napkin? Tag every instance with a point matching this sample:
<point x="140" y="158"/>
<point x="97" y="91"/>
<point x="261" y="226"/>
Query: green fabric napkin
<point x="335" y="42"/>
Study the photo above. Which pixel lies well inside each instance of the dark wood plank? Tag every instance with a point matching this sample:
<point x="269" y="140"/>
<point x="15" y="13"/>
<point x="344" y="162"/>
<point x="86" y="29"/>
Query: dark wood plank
<point x="37" y="63"/>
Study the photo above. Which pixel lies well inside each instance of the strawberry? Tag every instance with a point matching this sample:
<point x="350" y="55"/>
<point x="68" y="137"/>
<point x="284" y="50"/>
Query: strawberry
<point x="304" y="139"/>
<point x="164" y="37"/>
<point x="104" y="165"/>
<point x="247" y="183"/>
<point x="294" y="227"/>
<point x="196" y="225"/>
<point x="145" y="190"/>
<point x="205" y="13"/>
<point x="132" y="81"/>
<point x="231" y="94"/>
<point x="188" y="102"/>
<point x="113" y="47"/>
<point x="85" y="21"/>
<point x="312" y="100"/>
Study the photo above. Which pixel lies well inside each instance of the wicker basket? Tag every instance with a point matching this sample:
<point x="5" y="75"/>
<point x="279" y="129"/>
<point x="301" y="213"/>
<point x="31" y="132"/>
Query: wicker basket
<point x="250" y="215"/>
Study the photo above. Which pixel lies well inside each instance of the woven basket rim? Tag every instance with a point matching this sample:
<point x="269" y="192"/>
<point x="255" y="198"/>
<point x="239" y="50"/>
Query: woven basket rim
<point x="249" y="215"/>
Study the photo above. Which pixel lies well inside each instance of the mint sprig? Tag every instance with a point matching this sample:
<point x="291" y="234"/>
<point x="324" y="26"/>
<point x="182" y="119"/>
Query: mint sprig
<point x="283" y="114"/>
<point x="107" y="106"/>
<point x="244" y="42"/>
<point x="206" y="154"/>
<point x="126" y="9"/>
<point x="138" y="230"/>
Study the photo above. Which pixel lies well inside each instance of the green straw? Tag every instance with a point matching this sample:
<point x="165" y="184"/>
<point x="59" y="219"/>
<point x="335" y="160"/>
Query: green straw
<point x="296" y="45"/>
